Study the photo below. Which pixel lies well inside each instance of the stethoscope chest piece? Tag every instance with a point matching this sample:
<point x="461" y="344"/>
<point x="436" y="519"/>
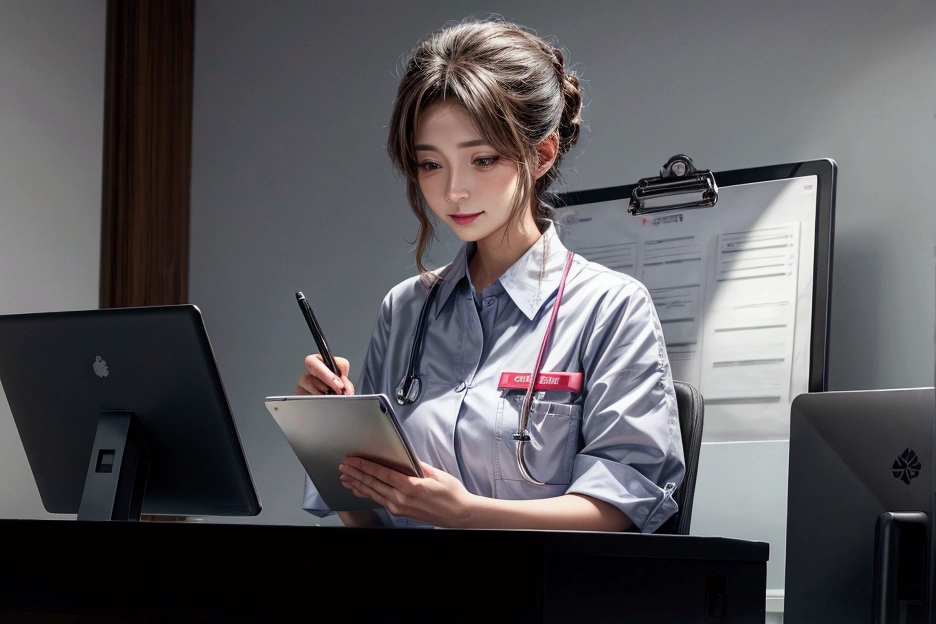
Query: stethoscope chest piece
<point x="408" y="390"/>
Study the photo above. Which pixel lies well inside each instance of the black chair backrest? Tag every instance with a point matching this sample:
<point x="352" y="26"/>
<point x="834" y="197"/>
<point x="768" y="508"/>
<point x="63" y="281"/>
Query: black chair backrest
<point x="691" y="412"/>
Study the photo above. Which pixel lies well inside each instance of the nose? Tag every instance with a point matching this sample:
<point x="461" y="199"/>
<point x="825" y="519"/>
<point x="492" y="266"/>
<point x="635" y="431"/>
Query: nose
<point x="457" y="189"/>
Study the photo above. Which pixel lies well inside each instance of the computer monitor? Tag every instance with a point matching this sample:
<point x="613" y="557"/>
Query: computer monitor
<point x="122" y="412"/>
<point x="853" y="457"/>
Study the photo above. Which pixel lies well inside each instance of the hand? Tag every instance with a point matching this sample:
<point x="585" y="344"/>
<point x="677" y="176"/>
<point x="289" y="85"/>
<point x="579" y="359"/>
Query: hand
<point x="438" y="499"/>
<point x="319" y="380"/>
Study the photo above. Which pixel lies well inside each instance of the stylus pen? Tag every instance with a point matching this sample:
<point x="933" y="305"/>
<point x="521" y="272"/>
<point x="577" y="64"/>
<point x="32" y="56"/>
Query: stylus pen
<point x="318" y="336"/>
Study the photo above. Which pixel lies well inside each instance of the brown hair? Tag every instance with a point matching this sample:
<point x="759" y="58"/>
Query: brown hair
<point x="514" y="87"/>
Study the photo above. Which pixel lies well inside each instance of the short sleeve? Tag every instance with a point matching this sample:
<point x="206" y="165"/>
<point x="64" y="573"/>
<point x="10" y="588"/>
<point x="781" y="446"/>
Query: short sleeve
<point x="631" y="454"/>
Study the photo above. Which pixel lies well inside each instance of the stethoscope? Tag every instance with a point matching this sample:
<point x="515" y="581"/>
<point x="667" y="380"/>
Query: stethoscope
<point x="409" y="388"/>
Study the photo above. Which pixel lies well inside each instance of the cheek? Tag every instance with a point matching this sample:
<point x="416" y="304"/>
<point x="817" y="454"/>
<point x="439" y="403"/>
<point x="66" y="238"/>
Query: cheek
<point x="425" y="185"/>
<point x="431" y="190"/>
<point x="502" y="182"/>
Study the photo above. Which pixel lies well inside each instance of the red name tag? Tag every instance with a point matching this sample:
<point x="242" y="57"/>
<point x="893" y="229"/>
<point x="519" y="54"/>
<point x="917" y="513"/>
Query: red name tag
<point x="563" y="382"/>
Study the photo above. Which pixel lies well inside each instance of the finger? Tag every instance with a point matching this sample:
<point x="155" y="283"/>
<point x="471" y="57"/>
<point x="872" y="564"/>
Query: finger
<point x="379" y="477"/>
<point x="429" y="471"/>
<point x="303" y="385"/>
<point x="316" y="367"/>
<point x="354" y="485"/>
<point x="320" y="386"/>
<point x="366" y="479"/>
<point x="351" y="472"/>
<point x="344" y="366"/>
<point x="351" y="479"/>
<point x="362" y="490"/>
<point x="310" y="385"/>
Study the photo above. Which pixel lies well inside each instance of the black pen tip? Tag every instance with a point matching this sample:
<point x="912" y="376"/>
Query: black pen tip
<point x="299" y="295"/>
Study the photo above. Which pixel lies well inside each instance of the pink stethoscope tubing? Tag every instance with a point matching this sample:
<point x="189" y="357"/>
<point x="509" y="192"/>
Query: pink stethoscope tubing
<point x="522" y="436"/>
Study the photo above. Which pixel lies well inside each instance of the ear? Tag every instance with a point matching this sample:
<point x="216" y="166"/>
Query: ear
<point x="548" y="150"/>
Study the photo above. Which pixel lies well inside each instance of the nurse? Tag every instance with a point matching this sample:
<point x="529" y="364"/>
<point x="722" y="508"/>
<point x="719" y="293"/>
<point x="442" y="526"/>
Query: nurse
<point x="484" y="113"/>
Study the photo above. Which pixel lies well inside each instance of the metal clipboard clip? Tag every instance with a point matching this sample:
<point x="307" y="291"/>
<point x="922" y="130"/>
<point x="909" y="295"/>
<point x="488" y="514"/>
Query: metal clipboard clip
<point x="679" y="186"/>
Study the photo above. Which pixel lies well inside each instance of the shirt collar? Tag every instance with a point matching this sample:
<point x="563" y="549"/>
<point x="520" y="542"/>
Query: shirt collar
<point x="530" y="282"/>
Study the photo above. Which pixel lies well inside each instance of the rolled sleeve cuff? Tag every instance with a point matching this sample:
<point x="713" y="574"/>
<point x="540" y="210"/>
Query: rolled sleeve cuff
<point x="312" y="501"/>
<point x="646" y="504"/>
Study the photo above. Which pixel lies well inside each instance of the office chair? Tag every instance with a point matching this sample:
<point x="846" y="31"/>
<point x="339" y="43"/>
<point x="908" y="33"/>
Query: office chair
<point x="691" y="410"/>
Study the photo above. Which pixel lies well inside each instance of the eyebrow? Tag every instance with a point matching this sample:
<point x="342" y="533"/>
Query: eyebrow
<point x="432" y="148"/>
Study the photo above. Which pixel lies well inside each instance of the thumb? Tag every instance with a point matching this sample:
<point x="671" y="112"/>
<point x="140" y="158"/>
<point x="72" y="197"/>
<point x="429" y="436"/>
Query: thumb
<point x="429" y="471"/>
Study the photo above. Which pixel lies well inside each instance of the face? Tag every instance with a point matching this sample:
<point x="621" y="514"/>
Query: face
<point x="467" y="184"/>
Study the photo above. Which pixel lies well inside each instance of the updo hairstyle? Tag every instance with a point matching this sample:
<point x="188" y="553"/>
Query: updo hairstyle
<point x="515" y="89"/>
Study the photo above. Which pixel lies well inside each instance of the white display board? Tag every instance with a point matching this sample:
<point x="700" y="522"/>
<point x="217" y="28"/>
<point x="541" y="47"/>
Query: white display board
<point x="733" y="287"/>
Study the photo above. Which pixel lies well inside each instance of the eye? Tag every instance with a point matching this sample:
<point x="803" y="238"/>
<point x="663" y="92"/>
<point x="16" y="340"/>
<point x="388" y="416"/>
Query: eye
<point x="429" y="166"/>
<point x="486" y="162"/>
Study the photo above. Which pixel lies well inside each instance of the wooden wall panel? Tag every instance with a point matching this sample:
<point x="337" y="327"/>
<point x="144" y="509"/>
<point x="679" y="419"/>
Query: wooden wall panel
<point x="147" y="152"/>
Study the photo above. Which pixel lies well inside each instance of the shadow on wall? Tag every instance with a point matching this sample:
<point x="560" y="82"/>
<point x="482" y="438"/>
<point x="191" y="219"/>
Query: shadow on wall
<point x="858" y="314"/>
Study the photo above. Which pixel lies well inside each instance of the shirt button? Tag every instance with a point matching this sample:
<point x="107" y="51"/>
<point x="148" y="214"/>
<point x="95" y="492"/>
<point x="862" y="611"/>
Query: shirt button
<point x="489" y="301"/>
<point x="461" y="386"/>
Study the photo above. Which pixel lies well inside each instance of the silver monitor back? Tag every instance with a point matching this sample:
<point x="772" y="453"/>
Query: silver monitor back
<point x="61" y="370"/>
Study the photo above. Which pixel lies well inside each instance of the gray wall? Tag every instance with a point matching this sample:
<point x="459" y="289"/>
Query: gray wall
<point x="292" y="188"/>
<point x="51" y="137"/>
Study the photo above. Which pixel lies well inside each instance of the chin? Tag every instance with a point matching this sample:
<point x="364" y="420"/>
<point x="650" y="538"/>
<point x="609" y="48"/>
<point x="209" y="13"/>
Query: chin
<point x="466" y="233"/>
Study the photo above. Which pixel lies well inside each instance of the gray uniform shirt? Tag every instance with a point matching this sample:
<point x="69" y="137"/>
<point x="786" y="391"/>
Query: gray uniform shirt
<point x="617" y="441"/>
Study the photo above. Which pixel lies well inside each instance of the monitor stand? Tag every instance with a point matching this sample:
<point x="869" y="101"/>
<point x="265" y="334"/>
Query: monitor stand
<point x="901" y="575"/>
<point x="118" y="470"/>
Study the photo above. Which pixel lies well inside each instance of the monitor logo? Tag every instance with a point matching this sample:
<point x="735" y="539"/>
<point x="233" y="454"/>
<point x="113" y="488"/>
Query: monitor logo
<point x="907" y="466"/>
<point x="100" y="367"/>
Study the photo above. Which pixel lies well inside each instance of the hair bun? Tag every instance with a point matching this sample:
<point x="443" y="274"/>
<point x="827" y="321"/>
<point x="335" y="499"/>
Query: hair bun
<point x="571" y="123"/>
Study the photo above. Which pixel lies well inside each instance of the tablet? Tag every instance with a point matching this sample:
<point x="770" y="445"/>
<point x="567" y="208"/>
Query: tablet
<point x="323" y="430"/>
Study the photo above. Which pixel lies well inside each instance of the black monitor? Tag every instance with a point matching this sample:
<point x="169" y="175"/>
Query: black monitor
<point x="122" y="412"/>
<point x="860" y="507"/>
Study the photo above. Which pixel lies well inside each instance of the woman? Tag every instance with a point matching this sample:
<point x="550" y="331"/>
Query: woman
<point x="484" y="113"/>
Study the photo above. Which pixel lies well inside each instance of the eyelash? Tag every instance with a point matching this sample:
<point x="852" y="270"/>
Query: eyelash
<point x="483" y="162"/>
<point x="491" y="161"/>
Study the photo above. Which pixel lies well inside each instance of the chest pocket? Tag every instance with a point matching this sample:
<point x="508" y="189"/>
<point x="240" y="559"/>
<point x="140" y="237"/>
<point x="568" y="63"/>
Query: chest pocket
<point x="554" y="428"/>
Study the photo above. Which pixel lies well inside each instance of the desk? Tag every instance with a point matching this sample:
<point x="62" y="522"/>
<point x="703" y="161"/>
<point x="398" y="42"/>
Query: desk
<point x="189" y="572"/>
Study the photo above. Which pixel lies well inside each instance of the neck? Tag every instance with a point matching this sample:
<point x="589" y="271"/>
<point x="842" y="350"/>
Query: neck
<point x="498" y="252"/>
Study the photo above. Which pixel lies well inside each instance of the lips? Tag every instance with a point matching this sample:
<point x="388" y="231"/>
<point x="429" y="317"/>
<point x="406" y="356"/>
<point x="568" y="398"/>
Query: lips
<point x="464" y="219"/>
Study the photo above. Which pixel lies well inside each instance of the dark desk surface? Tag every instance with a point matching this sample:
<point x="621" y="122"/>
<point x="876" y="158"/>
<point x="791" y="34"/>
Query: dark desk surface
<point x="190" y="572"/>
